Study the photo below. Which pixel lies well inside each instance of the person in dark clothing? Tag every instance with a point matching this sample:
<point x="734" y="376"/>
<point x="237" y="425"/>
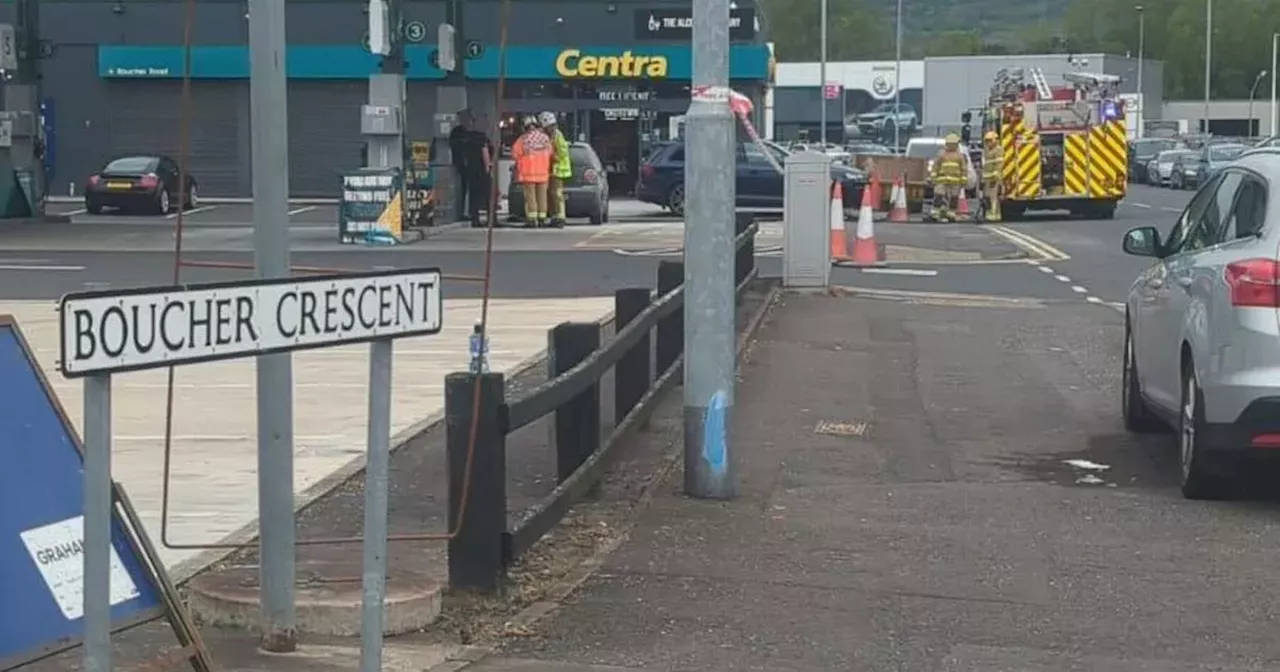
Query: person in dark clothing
<point x="477" y="159"/>
<point x="457" y="147"/>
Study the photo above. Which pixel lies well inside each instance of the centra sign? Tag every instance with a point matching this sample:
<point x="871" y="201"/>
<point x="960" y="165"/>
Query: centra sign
<point x="573" y="64"/>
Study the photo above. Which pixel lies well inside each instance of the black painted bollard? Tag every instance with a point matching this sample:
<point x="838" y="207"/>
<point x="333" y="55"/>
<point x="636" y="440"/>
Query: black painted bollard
<point x="475" y="552"/>
<point x="577" y="423"/>
<point x="670" y="329"/>
<point x="633" y="374"/>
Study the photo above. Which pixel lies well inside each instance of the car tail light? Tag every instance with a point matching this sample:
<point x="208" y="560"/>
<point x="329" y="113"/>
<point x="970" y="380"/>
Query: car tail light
<point x="150" y="180"/>
<point x="646" y="170"/>
<point x="591" y="176"/>
<point x="94" y="179"/>
<point x="1254" y="283"/>
<point x="1266" y="441"/>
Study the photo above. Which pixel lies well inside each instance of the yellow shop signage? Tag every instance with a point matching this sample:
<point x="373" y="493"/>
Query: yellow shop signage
<point x="573" y="64"/>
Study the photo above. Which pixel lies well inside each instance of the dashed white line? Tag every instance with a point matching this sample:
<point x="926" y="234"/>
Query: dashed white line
<point x="1044" y="269"/>
<point x="1141" y="205"/>
<point x="1062" y="278"/>
<point x="1079" y="290"/>
<point x="901" y="271"/>
<point x="1169" y="209"/>
<point x="1093" y="299"/>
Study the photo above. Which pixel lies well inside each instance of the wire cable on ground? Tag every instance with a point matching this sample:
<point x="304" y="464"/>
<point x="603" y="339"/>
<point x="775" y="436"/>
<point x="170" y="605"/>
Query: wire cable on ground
<point x="485" y="279"/>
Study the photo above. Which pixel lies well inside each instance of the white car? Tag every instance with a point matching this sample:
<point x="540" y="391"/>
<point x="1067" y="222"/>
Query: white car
<point x="1202" y="327"/>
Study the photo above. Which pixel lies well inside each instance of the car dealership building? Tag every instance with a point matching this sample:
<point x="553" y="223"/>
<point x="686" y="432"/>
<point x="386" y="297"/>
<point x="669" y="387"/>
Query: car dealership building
<point x="617" y="73"/>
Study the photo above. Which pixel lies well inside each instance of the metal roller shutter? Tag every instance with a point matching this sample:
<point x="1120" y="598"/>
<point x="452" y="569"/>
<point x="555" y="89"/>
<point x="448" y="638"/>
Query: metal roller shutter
<point x="146" y="116"/>
<point x="324" y="134"/>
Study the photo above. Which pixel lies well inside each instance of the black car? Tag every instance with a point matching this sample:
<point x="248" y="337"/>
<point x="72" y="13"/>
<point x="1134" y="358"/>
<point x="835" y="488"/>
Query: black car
<point x="586" y="194"/>
<point x="139" y="183"/>
<point x="759" y="185"/>
<point x="1141" y="152"/>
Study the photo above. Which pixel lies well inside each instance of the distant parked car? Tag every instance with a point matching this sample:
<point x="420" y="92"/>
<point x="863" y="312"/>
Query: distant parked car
<point x="868" y="149"/>
<point x="586" y="193"/>
<point x="139" y="183"/>
<point x="1189" y="172"/>
<point x="1142" y="151"/>
<point x="1160" y="169"/>
<point x="759" y="184"/>
<point x="881" y="121"/>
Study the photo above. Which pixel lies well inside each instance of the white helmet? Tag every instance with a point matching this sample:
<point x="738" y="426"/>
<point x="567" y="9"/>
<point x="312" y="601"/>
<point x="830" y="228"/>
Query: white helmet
<point x="530" y="121"/>
<point x="547" y="119"/>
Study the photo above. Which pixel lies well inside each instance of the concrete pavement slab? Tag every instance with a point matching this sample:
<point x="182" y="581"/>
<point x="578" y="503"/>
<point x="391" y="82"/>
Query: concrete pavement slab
<point x="214" y="445"/>
<point x="911" y="500"/>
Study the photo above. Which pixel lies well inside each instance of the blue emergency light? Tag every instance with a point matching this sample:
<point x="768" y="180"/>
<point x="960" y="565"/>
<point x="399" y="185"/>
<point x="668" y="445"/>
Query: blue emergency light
<point x="1109" y="110"/>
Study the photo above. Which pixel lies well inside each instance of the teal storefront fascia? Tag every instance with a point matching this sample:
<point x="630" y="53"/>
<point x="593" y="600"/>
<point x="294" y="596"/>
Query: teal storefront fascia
<point x="746" y="62"/>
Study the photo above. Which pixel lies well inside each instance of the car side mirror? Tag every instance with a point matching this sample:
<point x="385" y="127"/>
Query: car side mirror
<point x="1143" y="241"/>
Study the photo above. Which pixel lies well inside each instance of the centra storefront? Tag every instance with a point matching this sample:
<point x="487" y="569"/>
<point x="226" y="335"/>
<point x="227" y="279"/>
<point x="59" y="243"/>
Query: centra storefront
<point x="620" y="99"/>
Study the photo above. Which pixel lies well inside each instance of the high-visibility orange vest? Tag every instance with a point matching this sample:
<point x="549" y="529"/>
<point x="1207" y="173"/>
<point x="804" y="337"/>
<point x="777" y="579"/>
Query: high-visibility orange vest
<point x="532" y="152"/>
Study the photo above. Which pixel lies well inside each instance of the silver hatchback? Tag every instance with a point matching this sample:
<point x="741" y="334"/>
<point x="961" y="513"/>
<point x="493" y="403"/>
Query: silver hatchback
<point x="1202" y="327"/>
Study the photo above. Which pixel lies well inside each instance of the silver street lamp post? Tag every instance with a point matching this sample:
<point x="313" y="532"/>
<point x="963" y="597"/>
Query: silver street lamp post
<point x="1253" y="91"/>
<point x="1142" y="44"/>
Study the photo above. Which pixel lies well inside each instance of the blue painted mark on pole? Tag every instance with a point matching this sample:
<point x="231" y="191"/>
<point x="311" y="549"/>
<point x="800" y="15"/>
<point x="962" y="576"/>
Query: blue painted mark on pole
<point x="42" y="522"/>
<point x="714" y="450"/>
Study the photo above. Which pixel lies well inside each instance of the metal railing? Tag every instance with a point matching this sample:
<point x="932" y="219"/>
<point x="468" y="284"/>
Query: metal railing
<point x="645" y="353"/>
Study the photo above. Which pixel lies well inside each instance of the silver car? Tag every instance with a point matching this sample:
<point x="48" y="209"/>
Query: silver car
<point x="1160" y="170"/>
<point x="1202" y="327"/>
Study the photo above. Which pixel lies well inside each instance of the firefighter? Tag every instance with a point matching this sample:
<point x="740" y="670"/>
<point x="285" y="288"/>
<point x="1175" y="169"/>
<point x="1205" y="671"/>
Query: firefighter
<point x="949" y="176"/>
<point x="561" y="168"/>
<point x="532" y="154"/>
<point x="992" y="171"/>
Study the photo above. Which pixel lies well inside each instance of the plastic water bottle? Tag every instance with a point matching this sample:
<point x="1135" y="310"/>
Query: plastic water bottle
<point x="479" y="348"/>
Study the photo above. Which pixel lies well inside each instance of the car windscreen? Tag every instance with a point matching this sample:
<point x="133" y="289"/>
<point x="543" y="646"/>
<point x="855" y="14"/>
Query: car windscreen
<point x="131" y="164"/>
<point x="1224" y="153"/>
<point x="923" y="150"/>
<point x="1150" y="148"/>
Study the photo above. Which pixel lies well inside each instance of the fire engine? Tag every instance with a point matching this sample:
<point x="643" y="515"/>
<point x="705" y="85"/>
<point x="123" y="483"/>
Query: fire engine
<point x="1062" y="148"/>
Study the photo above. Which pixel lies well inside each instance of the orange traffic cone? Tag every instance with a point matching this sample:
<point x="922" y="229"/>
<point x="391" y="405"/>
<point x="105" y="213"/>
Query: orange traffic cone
<point x="839" y="244"/>
<point x="898" y="207"/>
<point x="962" y="205"/>
<point x="865" y="250"/>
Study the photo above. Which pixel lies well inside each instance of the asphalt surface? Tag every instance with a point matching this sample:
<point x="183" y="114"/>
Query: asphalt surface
<point x="929" y="485"/>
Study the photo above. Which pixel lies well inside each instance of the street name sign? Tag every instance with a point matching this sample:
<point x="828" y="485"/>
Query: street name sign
<point x="105" y="332"/>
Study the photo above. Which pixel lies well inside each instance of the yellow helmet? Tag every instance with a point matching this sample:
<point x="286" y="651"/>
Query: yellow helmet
<point x="990" y="136"/>
<point x="952" y="139"/>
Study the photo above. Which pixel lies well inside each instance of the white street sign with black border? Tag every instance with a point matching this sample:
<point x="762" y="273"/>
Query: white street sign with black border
<point x="108" y="331"/>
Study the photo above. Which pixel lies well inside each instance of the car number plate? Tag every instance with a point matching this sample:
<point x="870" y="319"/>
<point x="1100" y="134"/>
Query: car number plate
<point x="119" y="185"/>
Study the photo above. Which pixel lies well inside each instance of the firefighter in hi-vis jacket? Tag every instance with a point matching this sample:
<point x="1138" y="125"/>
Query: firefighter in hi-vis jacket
<point x="992" y="169"/>
<point x="949" y="176"/>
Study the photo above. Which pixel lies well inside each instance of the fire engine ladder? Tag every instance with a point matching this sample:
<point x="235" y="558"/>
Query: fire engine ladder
<point x="1042" y="85"/>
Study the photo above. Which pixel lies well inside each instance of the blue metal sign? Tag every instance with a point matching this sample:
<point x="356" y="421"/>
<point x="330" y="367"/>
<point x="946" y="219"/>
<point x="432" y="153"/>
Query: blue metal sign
<point x="41" y="522"/>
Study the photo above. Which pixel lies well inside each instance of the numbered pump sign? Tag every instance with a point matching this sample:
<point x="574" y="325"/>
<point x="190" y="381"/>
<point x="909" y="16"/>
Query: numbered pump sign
<point x="372" y="209"/>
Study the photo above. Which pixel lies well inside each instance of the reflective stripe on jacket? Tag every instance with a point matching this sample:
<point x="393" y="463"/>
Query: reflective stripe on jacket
<point x="532" y="153"/>
<point x="561" y="167"/>
<point x="949" y="168"/>
<point x="992" y="165"/>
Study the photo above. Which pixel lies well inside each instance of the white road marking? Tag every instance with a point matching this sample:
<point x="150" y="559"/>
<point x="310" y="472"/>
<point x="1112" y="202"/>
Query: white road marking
<point x="1044" y="269"/>
<point x="37" y="267"/>
<point x="192" y="211"/>
<point x="901" y="271"/>
<point x="1140" y="205"/>
<point x="305" y="208"/>
<point x="1169" y="209"/>
<point x="1079" y="290"/>
<point x="1092" y="299"/>
<point x="81" y="211"/>
<point x="1062" y="278"/>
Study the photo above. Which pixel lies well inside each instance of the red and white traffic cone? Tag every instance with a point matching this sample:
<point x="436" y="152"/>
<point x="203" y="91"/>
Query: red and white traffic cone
<point x="865" y="250"/>
<point x="898" y="206"/>
<point x="839" y="243"/>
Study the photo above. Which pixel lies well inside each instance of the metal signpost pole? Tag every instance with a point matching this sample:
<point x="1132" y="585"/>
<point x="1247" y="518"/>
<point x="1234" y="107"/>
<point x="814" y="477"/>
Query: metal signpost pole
<point x="270" y="127"/>
<point x="1208" y="58"/>
<point x="97" y="524"/>
<point x="709" y="374"/>
<point x="1142" y="44"/>
<point x="822" y="69"/>
<point x="897" y="83"/>
<point x="1275" y="65"/>
<point x="376" y="493"/>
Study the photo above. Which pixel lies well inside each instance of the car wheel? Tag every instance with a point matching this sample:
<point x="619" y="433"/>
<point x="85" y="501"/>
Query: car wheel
<point x="163" y="204"/>
<point x="93" y="208"/>
<point x="605" y="218"/>
<point x="193" y="198"/>
<point x="1138" y="417"/>
<point x="675" y="200"/>
<point x="1199" y="479"/>
<point x="596" y="217"/>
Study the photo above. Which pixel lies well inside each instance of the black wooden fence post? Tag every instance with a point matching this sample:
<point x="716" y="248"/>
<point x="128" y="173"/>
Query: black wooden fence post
<point x="578" y="421"/>
<point x="670" y="329"/>
<point x="632" y="374"/>
<point x="475" y="552"/>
